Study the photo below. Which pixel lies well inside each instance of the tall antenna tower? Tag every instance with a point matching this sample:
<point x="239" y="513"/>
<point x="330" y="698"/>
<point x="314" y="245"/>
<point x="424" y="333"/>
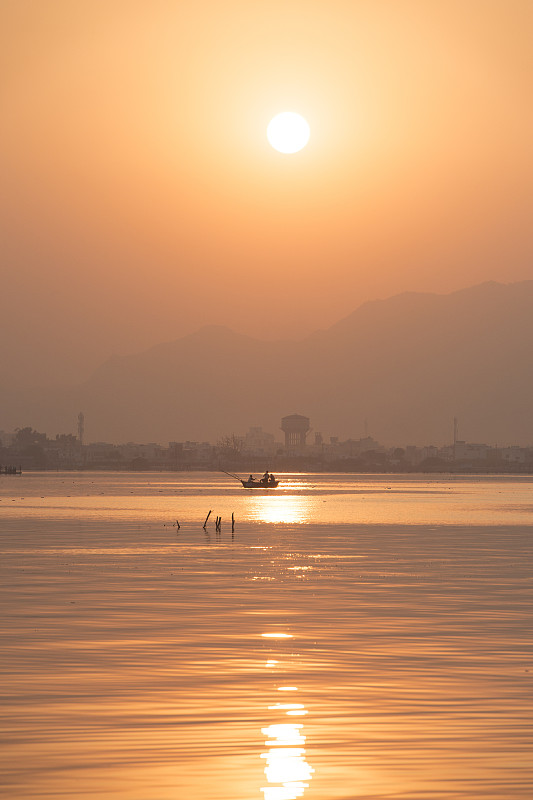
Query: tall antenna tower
<point x="81" y="427"/>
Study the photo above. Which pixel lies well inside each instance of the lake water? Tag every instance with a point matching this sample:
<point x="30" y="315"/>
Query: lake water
<point x="356" y="637"/>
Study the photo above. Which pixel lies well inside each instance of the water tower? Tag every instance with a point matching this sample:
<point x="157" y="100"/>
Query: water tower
<point x="295" y="427"/>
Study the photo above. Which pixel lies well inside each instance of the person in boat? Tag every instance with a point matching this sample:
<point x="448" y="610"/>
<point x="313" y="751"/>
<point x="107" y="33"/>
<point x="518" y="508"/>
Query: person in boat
<point x="251" y="479"/>
<point x="265" y="478"/>
<point x="271" y="478"/>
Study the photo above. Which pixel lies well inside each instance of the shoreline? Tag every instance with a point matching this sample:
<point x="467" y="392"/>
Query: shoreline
<point x="288" y="470"/>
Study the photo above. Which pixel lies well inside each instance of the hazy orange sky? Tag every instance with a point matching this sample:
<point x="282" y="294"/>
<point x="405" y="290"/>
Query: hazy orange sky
<point x="140" y="198"/>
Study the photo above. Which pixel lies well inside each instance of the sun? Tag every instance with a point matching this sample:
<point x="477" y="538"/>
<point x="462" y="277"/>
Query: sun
<point x="288" y="132"/>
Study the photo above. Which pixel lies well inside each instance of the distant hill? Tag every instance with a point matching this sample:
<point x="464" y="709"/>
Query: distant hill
<point x="407" y="365"/>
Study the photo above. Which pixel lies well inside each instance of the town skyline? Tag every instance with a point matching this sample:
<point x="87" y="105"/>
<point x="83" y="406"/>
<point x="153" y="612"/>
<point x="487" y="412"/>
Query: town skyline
<point x="30" y="449"/>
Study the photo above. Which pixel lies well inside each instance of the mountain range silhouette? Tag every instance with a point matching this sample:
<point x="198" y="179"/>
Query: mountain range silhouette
<point x="404" y="367"/>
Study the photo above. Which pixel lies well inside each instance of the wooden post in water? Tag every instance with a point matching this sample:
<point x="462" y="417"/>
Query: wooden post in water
<point x="205" y="523"/>
<point x="232" y="522"/>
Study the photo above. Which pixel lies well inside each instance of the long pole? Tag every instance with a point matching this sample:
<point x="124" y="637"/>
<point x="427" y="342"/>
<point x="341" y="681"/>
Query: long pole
<point x="231" y="475"/>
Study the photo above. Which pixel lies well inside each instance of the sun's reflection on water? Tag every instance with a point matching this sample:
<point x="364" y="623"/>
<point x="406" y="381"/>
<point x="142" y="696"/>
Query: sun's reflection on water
<point x="281" y="508"/>
<point x="286" y="770"/>
<point x="285" y="762"/>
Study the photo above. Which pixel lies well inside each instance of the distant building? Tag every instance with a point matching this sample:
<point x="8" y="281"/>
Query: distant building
<point x="101" y="453"/>
<point x="258" y="442"/>
<point x="413" y="454"/>
<point x="430" y="451"/>
<point x="351" y="448"/>
<point x="197" y="454"/>
<point x="152" y="451"/>
<point x="295" y="427"/>
<point x="6" y="439"/>
<point x="514" y="454"/>
<point x="465" y="451"/>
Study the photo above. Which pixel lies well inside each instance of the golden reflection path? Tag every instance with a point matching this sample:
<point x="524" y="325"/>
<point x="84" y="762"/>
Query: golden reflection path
<point x="286" y="770"/>
<point x="281" y="508"/>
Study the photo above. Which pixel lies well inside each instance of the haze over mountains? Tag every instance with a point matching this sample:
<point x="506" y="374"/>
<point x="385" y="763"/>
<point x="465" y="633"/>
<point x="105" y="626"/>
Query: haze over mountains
<point x="407" y="365"/>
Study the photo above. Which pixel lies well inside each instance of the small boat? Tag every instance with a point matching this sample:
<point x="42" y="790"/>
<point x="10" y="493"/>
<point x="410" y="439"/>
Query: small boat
<point x="253" y="484"/>
<point x="259" y="484"/>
